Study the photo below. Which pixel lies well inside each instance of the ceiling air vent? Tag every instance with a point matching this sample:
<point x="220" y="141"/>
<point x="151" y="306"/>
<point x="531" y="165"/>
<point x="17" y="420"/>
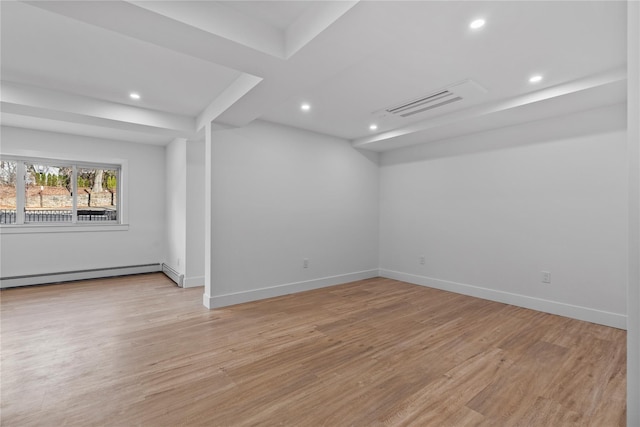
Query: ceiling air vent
<point x="425" y="103"/>
<point x="465" y="90"/>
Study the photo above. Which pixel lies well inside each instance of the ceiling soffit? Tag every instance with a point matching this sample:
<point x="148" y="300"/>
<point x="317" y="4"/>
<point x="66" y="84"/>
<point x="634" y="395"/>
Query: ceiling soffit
<point x="232" y="22"/>
<point x="276" y="60"/>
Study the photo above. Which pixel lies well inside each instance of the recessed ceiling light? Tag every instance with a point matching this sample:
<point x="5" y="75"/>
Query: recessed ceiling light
<point x="478" y="23"/>
<point x="305" y="107"/>
<point x="134" y="95"/>
<point x="373" y="127"/>
<point x="535" y="79"/>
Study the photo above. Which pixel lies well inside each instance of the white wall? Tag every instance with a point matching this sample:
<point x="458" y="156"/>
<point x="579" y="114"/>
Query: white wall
<point x="194" y="274"/>
<point x="633" y="307"/>
<point x="176" y="204"/>
<point x="141" y="243"/>
<point x="280" y="195"/>
<point x="490" y="211"/>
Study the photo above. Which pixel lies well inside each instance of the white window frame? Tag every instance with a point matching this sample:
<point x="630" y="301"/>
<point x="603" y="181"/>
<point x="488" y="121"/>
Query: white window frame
<point x="21" y="227"/>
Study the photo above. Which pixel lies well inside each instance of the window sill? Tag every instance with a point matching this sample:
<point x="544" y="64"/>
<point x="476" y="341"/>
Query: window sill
<point x="60" y="228"/>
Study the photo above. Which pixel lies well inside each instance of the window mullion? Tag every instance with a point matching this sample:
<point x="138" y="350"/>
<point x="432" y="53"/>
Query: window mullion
<point x="21" y="197"/>
<point x="74" y="194"/>
<point x="119" y="196"/>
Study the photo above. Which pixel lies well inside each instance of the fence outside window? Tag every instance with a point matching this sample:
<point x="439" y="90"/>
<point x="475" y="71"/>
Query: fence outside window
<point x="8" y="216"/>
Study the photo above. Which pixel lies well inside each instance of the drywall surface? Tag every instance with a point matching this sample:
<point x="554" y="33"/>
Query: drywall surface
<point x="194" y="275"/>
<point x="633" y="150"/>
<point x="176" y="204"/>
<point x="280" y="196"/>
<point x="142" y="242"/>
<point x="490" y="212"/>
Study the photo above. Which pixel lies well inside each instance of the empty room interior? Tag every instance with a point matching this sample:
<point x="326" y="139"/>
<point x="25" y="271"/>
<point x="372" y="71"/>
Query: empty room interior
<point x="306" y="213"/>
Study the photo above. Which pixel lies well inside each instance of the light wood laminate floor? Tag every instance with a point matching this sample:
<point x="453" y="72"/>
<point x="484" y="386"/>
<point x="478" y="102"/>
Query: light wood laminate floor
<point x="138" y="351"/>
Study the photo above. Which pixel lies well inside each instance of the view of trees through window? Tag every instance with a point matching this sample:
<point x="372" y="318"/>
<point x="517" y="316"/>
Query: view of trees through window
<point x="48" y="192"/>
<point x="97" y="194"/>
<point x="8" y="173"/>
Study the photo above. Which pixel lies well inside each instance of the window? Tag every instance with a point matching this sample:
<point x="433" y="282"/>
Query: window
<point x="97" y="193"/>
<point x="47" y="191"/>
<point x="8" y="172"/>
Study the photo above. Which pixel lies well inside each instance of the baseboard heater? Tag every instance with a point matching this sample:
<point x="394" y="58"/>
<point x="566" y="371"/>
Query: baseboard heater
<point x="68" y="276"/>
<point x="173" y="275"/>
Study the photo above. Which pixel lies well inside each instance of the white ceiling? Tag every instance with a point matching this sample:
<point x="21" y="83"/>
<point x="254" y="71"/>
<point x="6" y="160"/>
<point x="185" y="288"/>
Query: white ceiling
<point x="52" y="51"/>
<point x="279" y="14"/>
<point x="69" y="66"/>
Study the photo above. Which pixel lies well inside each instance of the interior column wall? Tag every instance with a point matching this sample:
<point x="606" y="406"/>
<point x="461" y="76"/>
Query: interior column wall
<point x="176" y="204"/>
<point x="194" y="274"/>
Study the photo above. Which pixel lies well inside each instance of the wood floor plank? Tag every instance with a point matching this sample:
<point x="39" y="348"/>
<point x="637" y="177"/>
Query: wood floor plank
<point x="138" y="351"/>
<point x="546" y="412"/>
<point x="509" y="396"/>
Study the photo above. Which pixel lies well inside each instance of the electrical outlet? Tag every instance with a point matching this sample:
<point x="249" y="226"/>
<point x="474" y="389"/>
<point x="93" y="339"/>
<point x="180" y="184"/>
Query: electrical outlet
<point x="305" y="263"/>
<point x="178" y="261"/>
<point x="421" y="260"/>
<point x="546" y="277"/>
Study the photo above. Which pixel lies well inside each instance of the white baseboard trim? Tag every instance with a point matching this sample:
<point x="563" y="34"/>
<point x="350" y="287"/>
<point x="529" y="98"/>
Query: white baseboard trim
<point x="606" y="318"/>
<point x="68" y="276"/>
<point x="193" y="282"/>
<point x="218" y="301"/>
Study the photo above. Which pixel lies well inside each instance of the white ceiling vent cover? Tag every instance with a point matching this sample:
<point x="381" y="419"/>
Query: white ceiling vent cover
<point x="454" y="93"/>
